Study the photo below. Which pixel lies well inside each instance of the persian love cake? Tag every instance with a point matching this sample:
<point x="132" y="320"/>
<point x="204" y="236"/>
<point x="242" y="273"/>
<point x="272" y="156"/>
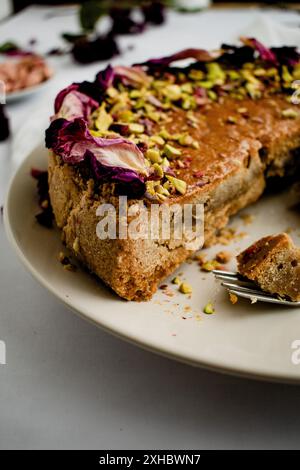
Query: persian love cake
<point x="211" y="132"/>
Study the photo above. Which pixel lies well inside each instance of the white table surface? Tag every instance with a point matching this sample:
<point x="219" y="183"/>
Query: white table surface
<point x="66" y="383"/>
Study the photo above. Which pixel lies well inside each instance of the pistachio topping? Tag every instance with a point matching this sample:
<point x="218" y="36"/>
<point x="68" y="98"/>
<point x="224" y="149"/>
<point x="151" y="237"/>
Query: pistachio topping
<point x="154" y="156"/>
<point x="209" y="309"/>
<point x="178" y="184"/>
<point x="171" y="152"/>
<point x="290" y="113"/>
<point x="185" y="288"/>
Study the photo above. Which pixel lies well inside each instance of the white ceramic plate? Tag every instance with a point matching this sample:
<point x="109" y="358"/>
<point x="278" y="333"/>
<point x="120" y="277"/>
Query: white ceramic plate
<point x="243" y="339"/>
<point x="26" y="92"/>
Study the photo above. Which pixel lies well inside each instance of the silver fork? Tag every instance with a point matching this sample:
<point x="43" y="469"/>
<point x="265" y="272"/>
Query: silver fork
<point x="242" y="287"/>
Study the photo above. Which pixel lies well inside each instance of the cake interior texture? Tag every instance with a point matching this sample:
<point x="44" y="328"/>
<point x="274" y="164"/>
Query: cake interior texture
<point x="273" y="262"/>
<point x="211" y="133"/>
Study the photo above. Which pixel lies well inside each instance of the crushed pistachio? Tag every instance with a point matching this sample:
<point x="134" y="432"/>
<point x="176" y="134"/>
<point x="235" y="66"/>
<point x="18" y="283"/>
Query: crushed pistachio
<point x="215" y="73"/>
<point x="185" y="140"/>
<point x="187" y="88"/>
<point x="289" y="113"/>
<point x="158" y="170"/>
<point x="210" y="265"/>
<point x="154" y="156"/>
<point x="136" y="128"/>
<point x="176" y="280"/>
<point x="286" y="76"/>
<point x="185" y="288"/>
<point x="171" y="152"/>
<point x="178" y="184"/>
<point x="196" y="74"/>
<point x="157" y="139"/>
<point x="172" y="92"/>
<point x="102" y="120"/>
<point x="209" y="309"/>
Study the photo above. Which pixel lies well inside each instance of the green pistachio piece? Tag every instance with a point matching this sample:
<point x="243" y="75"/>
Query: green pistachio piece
<point x="164" y="134"/>
<point x="206" y="84"/>
<point x="112" y="92"/>
<point x="165" y="163"/>
<point x="178" y="184"/>
<point x="135" y="94"/>
<point x="296" y="72"/>
<point x="185" y="140"/>
<point x="171" y="152"/>
<point x="253" y="90"/>
<point x="215" y="73"/>
<point x="185" y="288"/>
<point x="154" y="115"/>
<point x="260" y="72"/>
<point x="126" y="116"/>
<point x="103" y="120"/>
<point x="158" y="170"/>
<point x="153" y="155"/>
<point x="172" y="92"/>
<point x="287" y="77"/>
<point x="233" y="75"/>
<point x="157" y="139"/>
<point x="212" y="95"/>
<point x="176" y="280"/>
<point x="289" y="113"/>
<point x="136" y="128"/>
<point x="209" y="309"/>
<point x="187" y="88"/>
<point x="161" y="190"/>
<point x="196" y="74"/>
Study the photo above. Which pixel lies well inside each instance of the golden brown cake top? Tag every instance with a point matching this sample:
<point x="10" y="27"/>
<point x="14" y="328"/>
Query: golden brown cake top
<point x="163" y="131"/>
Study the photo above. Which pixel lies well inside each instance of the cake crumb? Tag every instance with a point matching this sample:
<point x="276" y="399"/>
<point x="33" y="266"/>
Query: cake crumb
<point x="65" y="261"/>
<point x="200" y="258"/>
<point x="223" y="257"/>
<point x="247" y="218"/>
<point x="233" y="298"/>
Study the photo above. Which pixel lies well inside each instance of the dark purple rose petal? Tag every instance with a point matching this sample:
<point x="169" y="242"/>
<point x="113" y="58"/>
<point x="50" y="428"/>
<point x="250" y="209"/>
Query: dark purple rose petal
<point x="264" y="52"/>
<point x="200" y="55"/>
<point x="86" y="51"/>
<point x="154" y="13"/>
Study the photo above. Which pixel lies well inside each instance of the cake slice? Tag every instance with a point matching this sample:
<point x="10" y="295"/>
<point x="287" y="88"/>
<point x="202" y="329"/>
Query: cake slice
<point x="210" y="133"/>
<point x="273" y="263"/>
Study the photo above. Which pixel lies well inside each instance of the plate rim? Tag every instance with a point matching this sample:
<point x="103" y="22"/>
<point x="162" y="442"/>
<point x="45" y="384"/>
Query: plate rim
<point x="24" y="92"/>
<point x="212" y="366"/>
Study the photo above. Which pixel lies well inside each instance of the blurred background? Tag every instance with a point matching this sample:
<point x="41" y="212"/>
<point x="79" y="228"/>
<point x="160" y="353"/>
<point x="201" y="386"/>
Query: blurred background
<point x="8" y="7"/>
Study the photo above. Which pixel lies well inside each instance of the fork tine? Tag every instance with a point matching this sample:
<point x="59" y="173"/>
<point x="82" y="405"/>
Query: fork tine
<point x="249" y="290"/>
<point x="229" y="274"/>
<point x="257" y="296"/>
<point x="264" y="298"/>
<point x="236" y="279"/>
